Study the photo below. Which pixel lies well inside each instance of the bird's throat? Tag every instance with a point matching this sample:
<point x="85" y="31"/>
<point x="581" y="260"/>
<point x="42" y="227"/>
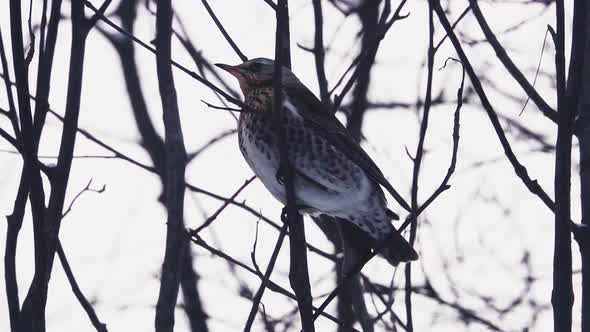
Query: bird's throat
<point x="259" y="98"/>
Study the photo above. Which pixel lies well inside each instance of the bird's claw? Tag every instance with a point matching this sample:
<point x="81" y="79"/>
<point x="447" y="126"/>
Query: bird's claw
<point x="298" y="209"/>
<point x="284" y="215"/>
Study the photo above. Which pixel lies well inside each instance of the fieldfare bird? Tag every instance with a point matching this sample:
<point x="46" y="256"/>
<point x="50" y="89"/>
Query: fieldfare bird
<point x="333" y="175"/>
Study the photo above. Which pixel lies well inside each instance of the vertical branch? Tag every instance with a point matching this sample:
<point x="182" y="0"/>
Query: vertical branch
<point x="8" y="87"/>
<point x="298" y="272"/>
<point x="283" y="42"/>
<point x="175" y="169"/>
<point x="562" y="297"/>
<point x="154" y="146"/>
<point x="34" y="305"/>
<point x="582" y="26"/>
<point x="319" y="51"/>
<point x="350" y="295"/>
<point x="45" y="66"/>
<point x="335" y="233"/>
<point x="150" y="140"/>
<point x="35" y="314"/>
<point x="14" y="223"/>
<point x="32" y="134"/>
<point x="15" y="219"/>
<point x="260" y="292"/>
<point x="42" y="27"/>
<point x="193" y="307"/>
<point x="351" y="300"/>
<point x="418" y="162"/>
<point x="98" y="325"/>
<point x="369" y="15"/>
<point x="384" y="25"/>
<point x="80" y="29"/>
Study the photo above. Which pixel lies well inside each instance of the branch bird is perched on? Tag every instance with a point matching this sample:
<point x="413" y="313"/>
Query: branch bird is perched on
<point x="333" y="175"/>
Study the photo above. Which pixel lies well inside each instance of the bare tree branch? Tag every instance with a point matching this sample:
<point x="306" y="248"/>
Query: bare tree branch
<point x="12" y="116"/>
<point x="98" y="325"/>
<point x="444" y="186"/>
<point x="562" y="296"/>
<point x="200" y="242"/>
<point x="319" y="51"/>
<point x="175" y="156"/>
<point x="224" y="32"/>
<point x="547" y="110"/>
<point x="222" y="207"/>
<point x="298" y="270"/>
<point x="174" y="63"/>
<point x="33" y="310"/>
<point x="532" y="185"/>
<point x="418" y="162"/>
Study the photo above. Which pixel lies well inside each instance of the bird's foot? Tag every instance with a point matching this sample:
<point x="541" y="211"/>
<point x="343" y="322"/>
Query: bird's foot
<point x="285" y="211"/>
<point x="285" y="214"/>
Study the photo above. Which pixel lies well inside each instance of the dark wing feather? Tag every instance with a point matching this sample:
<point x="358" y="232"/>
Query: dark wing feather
<point x="314" y="112"/>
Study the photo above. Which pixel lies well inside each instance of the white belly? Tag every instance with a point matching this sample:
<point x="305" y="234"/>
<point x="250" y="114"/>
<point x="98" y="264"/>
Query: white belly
<point x="323" y="190"/>
<point x="265" y="165"/>
<point x="316" y="199"/>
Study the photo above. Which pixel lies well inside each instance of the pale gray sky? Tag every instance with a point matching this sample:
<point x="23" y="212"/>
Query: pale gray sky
<point x="115" y="240"/>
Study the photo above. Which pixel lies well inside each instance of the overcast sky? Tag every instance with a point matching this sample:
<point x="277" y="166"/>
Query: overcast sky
<point x="480" y="228"/>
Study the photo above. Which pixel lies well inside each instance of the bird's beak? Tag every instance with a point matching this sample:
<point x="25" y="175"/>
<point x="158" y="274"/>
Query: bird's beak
<point x="234" y="70"/>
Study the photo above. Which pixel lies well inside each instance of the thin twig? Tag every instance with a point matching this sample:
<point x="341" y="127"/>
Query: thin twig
<point x="444" y="186"/>
<point x="521" y="171"/>
<point x="457" y="21"/>
<point x="222" y="207"/>
<point x="31" y="51"/>
<point x="418" y="156"/>
<point x="118" y="154"/>
<point x="224" y="32"/>
<point x="80" y="193"/>
<point x="239" y="110"/>
<point x="547" y="110"/>
<point x="174" y="63"/>
<point x="193" y="155"/>
<point x="98" y="325"/>
<point x="200" y="242"/>
<point x="536" y="71"/>
<point x="263" y="285"/>
<point x="385" y="25"/>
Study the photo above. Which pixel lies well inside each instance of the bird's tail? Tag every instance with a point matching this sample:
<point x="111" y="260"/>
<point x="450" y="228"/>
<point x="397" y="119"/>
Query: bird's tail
<point x="397" y="249"/>
<point x="358" y="243"/>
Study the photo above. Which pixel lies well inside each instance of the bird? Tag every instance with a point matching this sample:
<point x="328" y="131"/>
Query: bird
<point x="333" y="175"/>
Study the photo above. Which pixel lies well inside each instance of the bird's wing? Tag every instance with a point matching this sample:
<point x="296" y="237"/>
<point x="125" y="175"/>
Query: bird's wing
<point x="327" y="125"/>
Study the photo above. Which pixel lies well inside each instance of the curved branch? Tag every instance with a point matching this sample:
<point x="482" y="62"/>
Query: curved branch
<point x="547" y="110"/>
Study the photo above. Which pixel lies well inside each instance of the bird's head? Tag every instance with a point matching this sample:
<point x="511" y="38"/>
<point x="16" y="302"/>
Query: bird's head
<point x="257" y="73"/>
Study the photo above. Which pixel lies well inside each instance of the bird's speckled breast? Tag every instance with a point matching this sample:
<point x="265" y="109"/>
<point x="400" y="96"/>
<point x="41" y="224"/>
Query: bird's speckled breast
<point x="325" y="177"/>
<point x="257" y="144"/>
<point x="255" y="129"/>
